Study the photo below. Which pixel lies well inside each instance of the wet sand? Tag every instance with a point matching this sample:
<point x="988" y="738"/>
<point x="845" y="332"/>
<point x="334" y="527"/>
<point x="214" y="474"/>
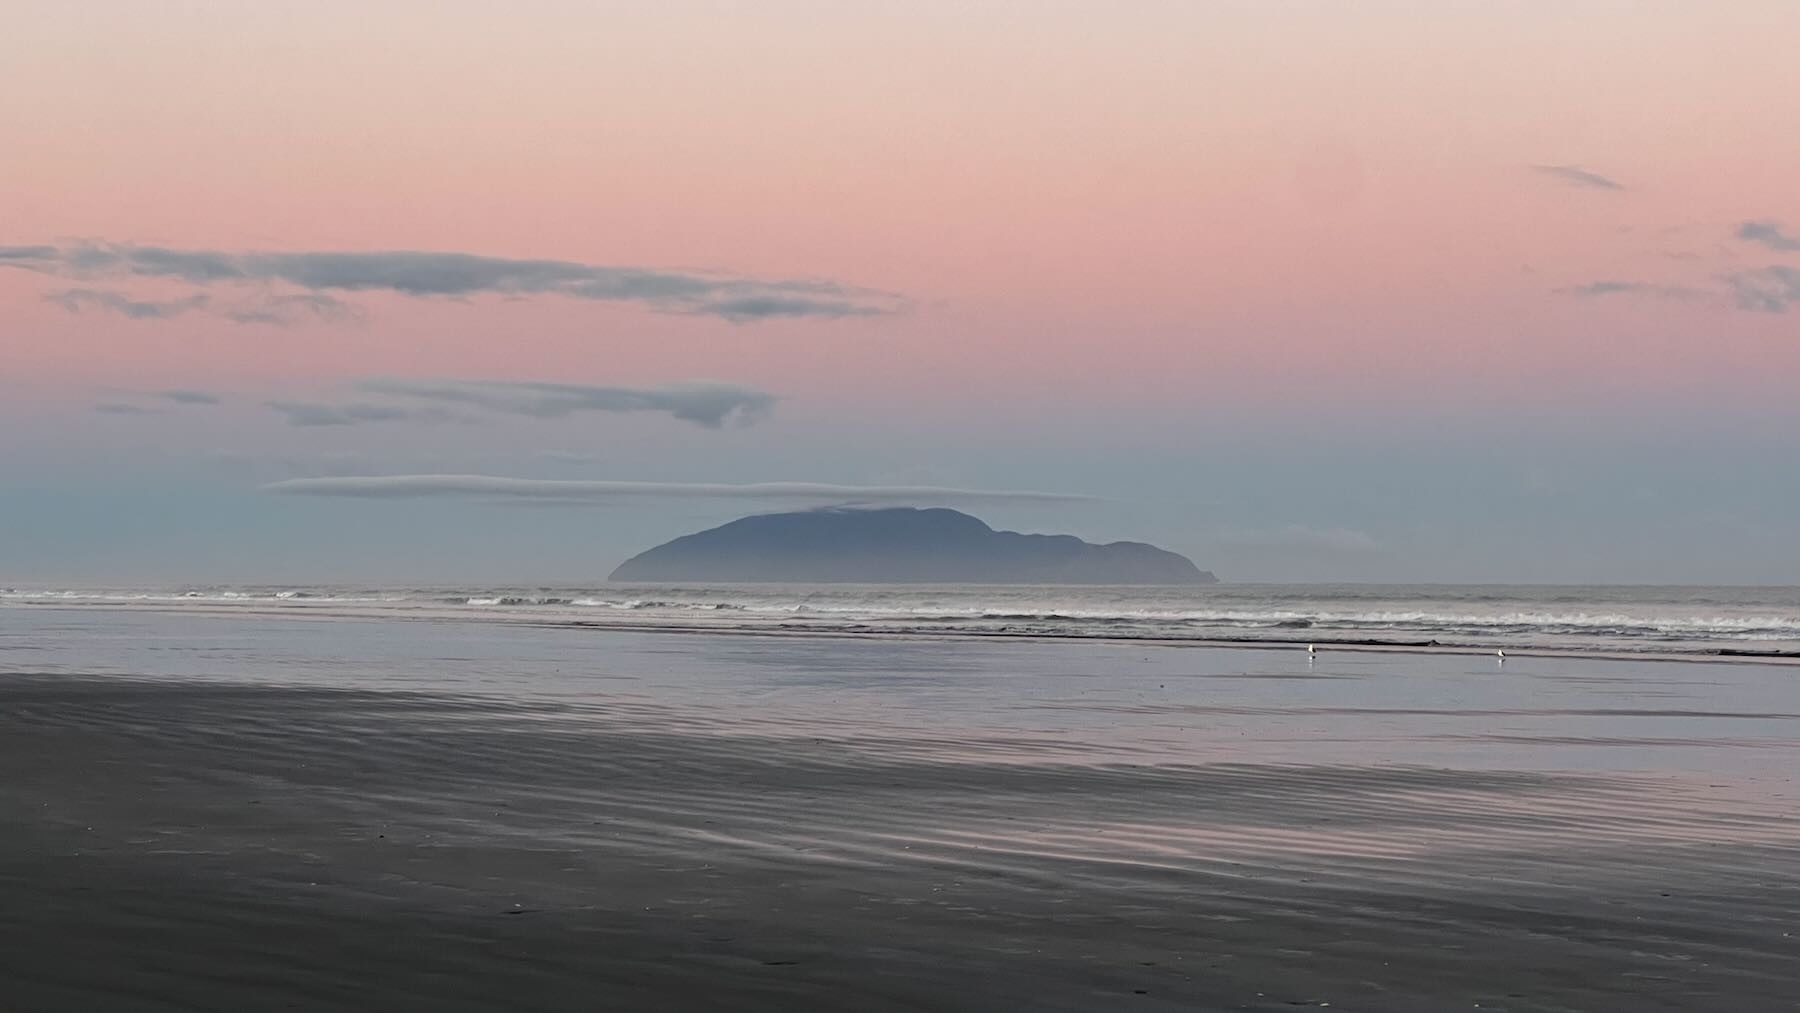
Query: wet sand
<point x="178" y="845"/>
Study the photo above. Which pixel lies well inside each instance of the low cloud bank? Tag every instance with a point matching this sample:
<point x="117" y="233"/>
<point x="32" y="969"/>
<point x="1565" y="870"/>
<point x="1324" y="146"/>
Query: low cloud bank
<point x="494" y="488"/>
<point x="703" y="403"/>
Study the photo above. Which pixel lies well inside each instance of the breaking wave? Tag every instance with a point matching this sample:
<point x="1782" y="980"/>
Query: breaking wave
<point x="1656" y="620"/>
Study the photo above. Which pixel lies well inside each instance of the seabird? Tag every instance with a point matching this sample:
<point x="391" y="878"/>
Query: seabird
<point x="1501" y="654"/>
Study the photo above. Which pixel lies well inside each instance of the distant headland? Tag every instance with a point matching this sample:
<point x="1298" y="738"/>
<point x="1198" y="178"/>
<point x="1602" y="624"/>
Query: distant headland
<point x="898" y="545"/>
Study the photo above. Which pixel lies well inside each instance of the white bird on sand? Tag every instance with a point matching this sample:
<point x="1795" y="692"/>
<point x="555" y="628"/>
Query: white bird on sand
<point x="1501" y="654"/>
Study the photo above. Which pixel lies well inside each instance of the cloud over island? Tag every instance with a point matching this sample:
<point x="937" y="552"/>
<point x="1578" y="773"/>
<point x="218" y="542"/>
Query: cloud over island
<point x="705" y="403"/>
<point x="496" y="489"/>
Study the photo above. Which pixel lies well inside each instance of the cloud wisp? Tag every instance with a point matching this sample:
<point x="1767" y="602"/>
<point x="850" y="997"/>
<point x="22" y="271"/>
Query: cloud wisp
<point x="1770" y="234"/>
<point x="422" y="274"/>
<point x="76" y="300"/>
<point x="281" y="310"/>
<point x="163" y="401"/>
<point x="315" y="413"/>
<point x="1599" y="289"/>
<point x="1575" y="175"/>
<point x="706" y="404"/>
<point x="190" y="397"/>
<point x="495" y="489"/>
<point x="703" y="403"/>
<point x="1769" y="289"/>
<point x="26" y="256"/>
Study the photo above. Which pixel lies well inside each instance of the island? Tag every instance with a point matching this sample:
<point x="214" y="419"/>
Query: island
<point x="902" y="545"/>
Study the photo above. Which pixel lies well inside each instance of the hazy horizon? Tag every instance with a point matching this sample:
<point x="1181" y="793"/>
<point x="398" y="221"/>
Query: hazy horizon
<point x="1392" y="292"/>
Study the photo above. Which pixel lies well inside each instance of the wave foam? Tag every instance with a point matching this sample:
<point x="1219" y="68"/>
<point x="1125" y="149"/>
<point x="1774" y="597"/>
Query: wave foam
<point x="1603" y="618"/>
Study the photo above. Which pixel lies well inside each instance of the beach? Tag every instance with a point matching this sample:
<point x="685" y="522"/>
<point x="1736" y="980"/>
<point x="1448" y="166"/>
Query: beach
<point x="235" y="812"/>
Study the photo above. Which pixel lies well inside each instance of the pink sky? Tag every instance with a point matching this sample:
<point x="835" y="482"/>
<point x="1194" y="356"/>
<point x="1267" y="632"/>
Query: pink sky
<point x="1163" y="225"/>
<point x="1076" y="202"/>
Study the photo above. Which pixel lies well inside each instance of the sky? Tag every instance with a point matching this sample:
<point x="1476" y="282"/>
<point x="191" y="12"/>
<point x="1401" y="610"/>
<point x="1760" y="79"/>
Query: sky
<point x="1401" y="290"/>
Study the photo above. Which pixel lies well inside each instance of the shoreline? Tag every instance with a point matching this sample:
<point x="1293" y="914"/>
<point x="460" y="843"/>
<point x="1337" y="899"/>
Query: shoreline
<point x="786" y="628"/>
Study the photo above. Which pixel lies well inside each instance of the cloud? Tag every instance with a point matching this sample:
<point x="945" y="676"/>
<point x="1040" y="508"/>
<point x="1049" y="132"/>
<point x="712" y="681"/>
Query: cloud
<point x="313" y="413"/>
<point x="1769" y="234"/>
<point x="1597" y="289"/>
<point x="526" y="490"/>
<point x="283" y="310"/>
<point x="193" y="397"/>
<point x="179" y="397"/>
<point x="746" y="308"/>
<point x="425" y="274"/>
<point x="77" y="299"/>
<point x="1769" y="289"/>
<point x="1575" y="175"/>
<point x="703" y="403"/>
<point x="280" y="310"/>
<point x="707" y="404"/>
<point x="1765" y="289"/>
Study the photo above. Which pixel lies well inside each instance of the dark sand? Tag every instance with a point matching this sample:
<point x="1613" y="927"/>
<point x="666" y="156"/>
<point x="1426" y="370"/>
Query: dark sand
<point x="204" y="847"/>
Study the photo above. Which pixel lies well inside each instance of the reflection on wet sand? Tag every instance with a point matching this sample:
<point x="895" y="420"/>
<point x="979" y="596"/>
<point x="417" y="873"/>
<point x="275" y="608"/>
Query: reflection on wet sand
<point x="504" y="821"/>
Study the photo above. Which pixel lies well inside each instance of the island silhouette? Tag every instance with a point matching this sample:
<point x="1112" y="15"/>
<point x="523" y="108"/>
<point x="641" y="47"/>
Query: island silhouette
<point x="898" y="545"/>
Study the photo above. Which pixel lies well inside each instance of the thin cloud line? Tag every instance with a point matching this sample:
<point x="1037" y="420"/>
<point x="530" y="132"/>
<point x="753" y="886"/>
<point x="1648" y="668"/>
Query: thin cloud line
<point x="492" y="487"/>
